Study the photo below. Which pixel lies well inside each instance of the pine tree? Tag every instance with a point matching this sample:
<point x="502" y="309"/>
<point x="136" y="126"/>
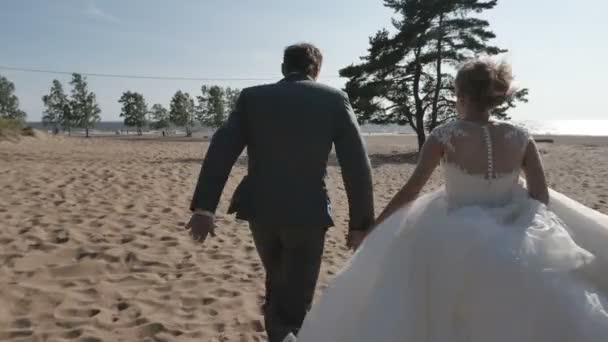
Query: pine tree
<point x="407" y="77"/>
<point x="85" y="110"/>
<point x="134" y="110"/>
<point x="57" y="113"/>
<point x="9" y="102"/>
<point x="181" y="111"/>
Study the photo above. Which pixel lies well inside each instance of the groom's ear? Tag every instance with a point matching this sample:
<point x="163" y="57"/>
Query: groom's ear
<point x="283" y="71"/>
<point x="315" y="72"/>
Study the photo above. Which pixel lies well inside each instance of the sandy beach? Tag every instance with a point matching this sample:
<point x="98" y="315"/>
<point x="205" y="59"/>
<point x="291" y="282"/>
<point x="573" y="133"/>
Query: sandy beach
<point x="93" y="245"/>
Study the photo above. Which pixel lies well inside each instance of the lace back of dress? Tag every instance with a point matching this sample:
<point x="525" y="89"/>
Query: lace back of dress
<point x="481" y="162"/>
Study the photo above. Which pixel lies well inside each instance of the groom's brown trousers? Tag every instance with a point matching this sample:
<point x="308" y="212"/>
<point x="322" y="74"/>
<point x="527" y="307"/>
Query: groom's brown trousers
<point x="292" y="258"/>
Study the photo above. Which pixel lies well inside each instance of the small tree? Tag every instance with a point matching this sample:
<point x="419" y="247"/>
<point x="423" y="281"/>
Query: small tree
<point x="83" y="103"/>
<point x="232" y="95"/>
<point x="202" y="108"/>
<point x="159" y="117"/>
<point x="211" y="109"/>
<point x="181" y="111"/>
<point x="134" y="110"/>
<point x="57" y="113"/>
<point x="9" y="102"/>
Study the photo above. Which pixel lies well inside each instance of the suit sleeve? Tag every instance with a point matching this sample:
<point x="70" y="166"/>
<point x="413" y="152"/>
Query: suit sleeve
<point x="356" y="169"/>
<point x="226" y="146"/>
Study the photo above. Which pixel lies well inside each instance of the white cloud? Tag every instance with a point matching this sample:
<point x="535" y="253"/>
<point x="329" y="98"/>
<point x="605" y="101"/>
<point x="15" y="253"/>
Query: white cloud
<point x="95" y="11"/>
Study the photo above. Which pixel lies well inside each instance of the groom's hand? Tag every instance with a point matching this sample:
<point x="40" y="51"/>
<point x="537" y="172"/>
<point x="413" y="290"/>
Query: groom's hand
<point x="201" y="226"/>
<point x="355" y="238"/>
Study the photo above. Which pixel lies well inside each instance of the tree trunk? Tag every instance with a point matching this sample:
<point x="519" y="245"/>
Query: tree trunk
<point x="86" y="129"/>
<point x="421" y="135"/>
<point x="419" y="114"/>
<point x="438" y="75"/>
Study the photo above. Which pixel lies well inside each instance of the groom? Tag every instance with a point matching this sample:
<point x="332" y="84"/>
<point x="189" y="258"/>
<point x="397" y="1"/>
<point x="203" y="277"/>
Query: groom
<point x="289" y="129"/>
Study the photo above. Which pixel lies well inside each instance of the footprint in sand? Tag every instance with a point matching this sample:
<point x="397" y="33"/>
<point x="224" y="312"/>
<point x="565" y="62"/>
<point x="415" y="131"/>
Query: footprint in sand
<point x="22" y="323"/>
<point x="61" y="236"/>
<point x="72" y="334"/>
<point x="219" y="327"/>
<point x="208" y="300"/>
<point x="222" y="293"/>
<point x="96" y="224"/>
<point x="212" y="312"/>
<point x="78" y="313"/>
<point x="85" y="254"/>
<point x="122" y="306"/>
<point x="18" y="334"/>
<point x="127" y="239"/>
<point x="6" y="240"/>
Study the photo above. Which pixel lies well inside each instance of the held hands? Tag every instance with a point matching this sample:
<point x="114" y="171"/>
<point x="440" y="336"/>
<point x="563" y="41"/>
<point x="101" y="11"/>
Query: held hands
<point x="355" y="238"/>
<point x="201" y="226"/>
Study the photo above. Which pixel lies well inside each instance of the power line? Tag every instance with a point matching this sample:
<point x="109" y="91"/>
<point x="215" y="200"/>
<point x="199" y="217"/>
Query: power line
<point x="165" y="78"/>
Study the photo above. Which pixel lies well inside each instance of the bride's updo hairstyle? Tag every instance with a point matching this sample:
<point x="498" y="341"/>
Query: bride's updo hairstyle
<point x="484" y="82"/>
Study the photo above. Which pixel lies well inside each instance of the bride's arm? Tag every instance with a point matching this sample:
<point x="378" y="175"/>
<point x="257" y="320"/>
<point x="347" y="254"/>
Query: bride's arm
<point x="535" y="174"/>
<point x="430" y="156"/>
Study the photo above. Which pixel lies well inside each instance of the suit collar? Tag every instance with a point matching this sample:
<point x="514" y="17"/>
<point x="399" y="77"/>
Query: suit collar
<point x="296" y="76"/>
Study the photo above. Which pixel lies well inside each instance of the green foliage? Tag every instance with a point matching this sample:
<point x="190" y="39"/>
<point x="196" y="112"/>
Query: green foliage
<point x="214" y="105"/>
<point x="58" y="111"/>
<point x="134" y="110"/>
<point x="407" y="77"/>
<point x="9" y="102"/>
<point x="83" y="103"/>
<point x="159" y="117"/>
<point x="181" y="112"/>
<point x="232" y="95"/>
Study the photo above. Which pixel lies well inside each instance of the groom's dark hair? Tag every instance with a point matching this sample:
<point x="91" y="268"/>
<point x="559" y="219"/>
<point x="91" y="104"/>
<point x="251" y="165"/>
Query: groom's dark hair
<point x="302" y="57"/>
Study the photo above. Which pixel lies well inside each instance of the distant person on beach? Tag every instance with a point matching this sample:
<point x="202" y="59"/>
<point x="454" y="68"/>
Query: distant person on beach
<point x="289" y="129"/>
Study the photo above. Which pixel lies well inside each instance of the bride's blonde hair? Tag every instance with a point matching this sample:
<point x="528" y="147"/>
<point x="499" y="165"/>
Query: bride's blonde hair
<point x="487" y="83"/>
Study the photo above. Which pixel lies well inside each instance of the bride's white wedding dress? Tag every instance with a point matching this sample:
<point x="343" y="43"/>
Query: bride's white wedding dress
<point x="476" y="261"/>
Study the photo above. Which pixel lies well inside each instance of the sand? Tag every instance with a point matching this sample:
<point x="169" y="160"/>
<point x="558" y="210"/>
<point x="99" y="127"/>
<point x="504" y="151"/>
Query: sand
<point x="93" y="245"/>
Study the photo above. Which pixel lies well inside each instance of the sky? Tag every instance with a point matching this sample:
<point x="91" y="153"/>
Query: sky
<point x="557" y="47"/>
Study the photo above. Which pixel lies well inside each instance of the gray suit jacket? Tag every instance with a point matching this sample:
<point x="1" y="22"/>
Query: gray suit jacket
<point x="288" y="129"/>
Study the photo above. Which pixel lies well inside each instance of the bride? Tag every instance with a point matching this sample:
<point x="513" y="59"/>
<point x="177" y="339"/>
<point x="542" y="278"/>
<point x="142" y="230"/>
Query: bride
<point x="489" y="258"/>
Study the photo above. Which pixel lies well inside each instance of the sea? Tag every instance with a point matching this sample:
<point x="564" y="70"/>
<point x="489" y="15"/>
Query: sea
<point x="537" y="127"/>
